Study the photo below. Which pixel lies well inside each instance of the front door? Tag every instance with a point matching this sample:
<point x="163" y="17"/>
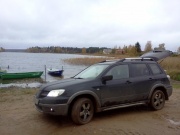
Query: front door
<point x="119" y="89"/>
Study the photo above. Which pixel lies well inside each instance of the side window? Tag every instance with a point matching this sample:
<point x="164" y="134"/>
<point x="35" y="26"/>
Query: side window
<point x="155" y="69"/>
<point x="139" y="70"/>
<point x="119" y="72"/>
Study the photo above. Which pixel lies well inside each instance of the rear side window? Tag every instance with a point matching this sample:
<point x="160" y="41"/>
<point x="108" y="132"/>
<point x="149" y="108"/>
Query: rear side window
<point x="155" y="69"/>
<point x="139" y="70"/>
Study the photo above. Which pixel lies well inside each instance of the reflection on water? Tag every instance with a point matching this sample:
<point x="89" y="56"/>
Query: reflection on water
<point x="29" y="82"/>
<point x="30" y="62"/>
<point x="26" y="80"/>
<point x="23" y="85"/>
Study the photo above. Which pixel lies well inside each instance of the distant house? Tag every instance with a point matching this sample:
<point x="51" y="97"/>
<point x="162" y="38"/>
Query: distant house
<point x="120" y="51"/>
<point x="107" y="51"/>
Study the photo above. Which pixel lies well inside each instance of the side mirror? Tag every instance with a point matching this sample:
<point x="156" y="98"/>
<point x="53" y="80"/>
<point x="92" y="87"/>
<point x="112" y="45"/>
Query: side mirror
<point x="107" y="78"/>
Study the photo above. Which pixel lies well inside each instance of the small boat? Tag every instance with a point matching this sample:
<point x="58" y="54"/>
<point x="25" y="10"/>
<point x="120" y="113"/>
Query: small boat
<point x="21" y="75"/>
<point x="2" y="71"/>
<point x="55" y="72"/>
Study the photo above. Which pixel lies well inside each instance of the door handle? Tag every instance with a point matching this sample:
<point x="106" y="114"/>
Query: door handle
<point x="128" y="82"/>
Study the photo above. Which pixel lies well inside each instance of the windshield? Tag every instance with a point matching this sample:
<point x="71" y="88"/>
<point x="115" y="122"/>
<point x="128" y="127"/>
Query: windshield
<point x="92" y="71"/>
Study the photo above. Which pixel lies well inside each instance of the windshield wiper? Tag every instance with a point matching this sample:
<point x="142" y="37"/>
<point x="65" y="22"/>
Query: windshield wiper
<point x="78" y="78"/>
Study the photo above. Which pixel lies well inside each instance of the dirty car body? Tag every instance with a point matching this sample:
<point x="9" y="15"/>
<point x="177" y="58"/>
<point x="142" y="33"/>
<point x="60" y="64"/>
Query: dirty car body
<point x="104" y="86"/>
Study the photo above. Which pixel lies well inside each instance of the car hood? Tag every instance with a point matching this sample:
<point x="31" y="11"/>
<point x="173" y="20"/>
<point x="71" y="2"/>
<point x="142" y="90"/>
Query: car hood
<point x="63" y="84"/>
<point x="157" y="54"/>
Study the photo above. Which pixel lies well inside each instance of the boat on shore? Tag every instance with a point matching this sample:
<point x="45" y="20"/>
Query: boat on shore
<point x="55" y="72"/>
<point x="2" y="71"/>
<point x="21" y="75"/>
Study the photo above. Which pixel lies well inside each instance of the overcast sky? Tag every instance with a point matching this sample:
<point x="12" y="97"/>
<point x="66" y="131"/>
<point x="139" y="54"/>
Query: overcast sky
<point x="89" y="23"/>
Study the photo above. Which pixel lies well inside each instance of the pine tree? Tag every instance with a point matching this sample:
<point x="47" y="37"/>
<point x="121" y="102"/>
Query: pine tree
<point x="138" y="47"/>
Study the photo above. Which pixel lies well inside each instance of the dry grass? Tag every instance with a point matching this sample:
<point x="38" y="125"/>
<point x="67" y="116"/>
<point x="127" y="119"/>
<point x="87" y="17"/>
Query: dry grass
<point x="175" y="84"/>
<point x="90" y="60"/>
<point x="84" y="61"/>
<point x="11" y="94"/>
<point x="170" y="64"/>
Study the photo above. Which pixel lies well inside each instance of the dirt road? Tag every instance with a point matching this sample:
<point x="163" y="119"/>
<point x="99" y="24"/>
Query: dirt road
<point x="18" y="116"/>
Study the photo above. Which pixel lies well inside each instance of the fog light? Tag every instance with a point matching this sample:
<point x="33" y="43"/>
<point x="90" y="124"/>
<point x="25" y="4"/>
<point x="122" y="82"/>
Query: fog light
<point x="52" y="110"/>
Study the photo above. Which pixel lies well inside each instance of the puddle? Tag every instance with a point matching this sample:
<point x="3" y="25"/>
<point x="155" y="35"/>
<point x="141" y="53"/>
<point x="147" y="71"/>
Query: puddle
<point x="174" y="122"/>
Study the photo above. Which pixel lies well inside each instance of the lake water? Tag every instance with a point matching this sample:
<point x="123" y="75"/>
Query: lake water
<point x="29" y="62"/>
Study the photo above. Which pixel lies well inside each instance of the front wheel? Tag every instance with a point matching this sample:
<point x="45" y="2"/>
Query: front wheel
<point x="157" y="100"/>
<point x="82" y="111"/>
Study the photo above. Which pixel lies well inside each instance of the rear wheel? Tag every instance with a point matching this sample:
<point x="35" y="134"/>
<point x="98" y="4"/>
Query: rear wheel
<point x="82" y="111"/>
<point x="157" y="100"/>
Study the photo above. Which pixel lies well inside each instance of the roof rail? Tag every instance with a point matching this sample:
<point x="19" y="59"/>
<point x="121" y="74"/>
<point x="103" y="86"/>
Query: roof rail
<point x="128" y="59"/>
<point x="138" y="59"/>
<point x="113" y="60"/>
<point x="108" y="60"/>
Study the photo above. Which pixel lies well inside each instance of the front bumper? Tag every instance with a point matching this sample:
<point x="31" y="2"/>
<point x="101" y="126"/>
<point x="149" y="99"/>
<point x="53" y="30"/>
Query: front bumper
<point x="53" y="109"/>
<point x="169" y="90"/>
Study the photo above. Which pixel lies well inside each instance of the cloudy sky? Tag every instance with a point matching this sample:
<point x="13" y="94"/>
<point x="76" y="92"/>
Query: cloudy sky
<point x="89" y="23"/>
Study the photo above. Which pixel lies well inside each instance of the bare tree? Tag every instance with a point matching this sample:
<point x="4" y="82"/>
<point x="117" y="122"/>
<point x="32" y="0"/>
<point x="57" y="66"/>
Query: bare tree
<point x="132" y="50"/>
<point x="148" y="46"/>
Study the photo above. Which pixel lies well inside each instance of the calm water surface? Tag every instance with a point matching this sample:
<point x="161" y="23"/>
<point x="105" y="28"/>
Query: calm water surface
<point x="29" y="62"/>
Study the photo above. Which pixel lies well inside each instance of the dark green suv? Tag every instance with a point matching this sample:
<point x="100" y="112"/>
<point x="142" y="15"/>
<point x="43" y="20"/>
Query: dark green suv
<point x="108" y="85"/>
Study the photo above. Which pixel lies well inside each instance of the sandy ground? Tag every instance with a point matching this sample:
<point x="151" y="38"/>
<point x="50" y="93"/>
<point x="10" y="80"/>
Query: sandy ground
<point x="18" y="116"/>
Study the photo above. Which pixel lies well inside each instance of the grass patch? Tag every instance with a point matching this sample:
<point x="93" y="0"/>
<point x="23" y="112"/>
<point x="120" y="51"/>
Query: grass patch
<point x="175" y="75"/>
<point x="176" y="86"/>
<point x="13" y="94"/>
<point x="171" y="64"/>
<point x="16" y="91"/>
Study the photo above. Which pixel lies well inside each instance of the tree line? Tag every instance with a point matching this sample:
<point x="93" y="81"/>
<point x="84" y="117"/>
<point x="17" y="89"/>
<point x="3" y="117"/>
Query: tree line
<point x="132" y="50"/>
<point x="58" y="49"/>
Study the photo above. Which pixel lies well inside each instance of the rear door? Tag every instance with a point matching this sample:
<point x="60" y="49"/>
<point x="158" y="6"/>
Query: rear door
<point x="141" y="80"/>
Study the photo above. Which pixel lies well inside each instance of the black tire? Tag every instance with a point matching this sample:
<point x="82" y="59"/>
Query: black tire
<point x="157" y="100"/>
<point x="82" y="111"/>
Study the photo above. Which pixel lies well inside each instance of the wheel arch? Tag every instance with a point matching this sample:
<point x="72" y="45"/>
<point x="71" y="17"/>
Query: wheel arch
<point x="159" y="87"/>
<point x="85" y="94"/>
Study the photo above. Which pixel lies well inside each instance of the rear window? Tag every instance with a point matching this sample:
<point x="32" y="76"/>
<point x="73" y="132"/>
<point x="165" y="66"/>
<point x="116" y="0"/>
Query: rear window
<point x="155" y="69"/>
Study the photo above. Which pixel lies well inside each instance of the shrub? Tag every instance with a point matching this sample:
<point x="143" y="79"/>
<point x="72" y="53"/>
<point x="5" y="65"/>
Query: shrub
<point x="175" y="75"/>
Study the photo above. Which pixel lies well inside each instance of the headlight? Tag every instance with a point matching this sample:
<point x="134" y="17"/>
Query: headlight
<point x="55" y="93"/>
<point x="168" y="76"/>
